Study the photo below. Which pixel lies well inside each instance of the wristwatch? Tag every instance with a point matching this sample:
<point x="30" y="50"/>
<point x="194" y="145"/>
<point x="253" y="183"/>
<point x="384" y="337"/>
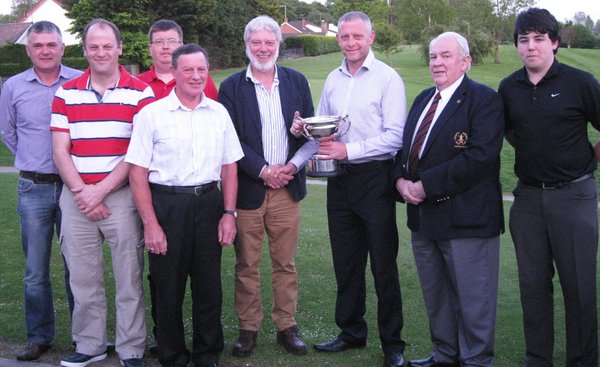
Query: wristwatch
<point x="230" y="212"/>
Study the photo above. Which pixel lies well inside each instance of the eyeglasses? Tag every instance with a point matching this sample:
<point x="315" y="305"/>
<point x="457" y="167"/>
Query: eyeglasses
<point x="169" y="42"/>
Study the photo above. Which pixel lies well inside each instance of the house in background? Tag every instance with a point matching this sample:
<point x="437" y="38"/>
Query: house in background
<point x="302" y="27"/>
<point x="51" y="10"/>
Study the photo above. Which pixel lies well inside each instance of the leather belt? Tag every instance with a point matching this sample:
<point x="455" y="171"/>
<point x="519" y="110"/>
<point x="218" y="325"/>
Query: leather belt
<point x="40" y="178"/>
<point x="185" y="190"/>
<point x="556" y="185"/>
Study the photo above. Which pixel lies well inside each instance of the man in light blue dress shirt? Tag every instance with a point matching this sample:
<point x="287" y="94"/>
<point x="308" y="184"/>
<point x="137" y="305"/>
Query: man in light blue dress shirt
<point x="25" y="105"/>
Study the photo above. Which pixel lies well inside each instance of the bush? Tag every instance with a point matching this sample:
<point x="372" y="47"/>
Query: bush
<point x="313" y="45"/>
<point x="79" y="63"/>
<point x="11" y="68"/>
<point x="73" y="51"/>
<point x="14" y="53"/>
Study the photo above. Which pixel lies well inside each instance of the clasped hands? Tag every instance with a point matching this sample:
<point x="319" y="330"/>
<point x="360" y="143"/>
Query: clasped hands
<point x="411" y="192"/>
<point x="276" y="176"/>
<point x="88" y="199"/>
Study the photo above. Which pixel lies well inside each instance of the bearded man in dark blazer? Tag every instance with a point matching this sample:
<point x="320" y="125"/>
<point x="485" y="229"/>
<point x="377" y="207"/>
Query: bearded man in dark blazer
<point x="263" y="101"/>
<point x="448" y="175"/>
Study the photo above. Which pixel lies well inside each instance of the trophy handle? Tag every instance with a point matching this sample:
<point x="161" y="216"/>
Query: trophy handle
<point x="345" y="121"/>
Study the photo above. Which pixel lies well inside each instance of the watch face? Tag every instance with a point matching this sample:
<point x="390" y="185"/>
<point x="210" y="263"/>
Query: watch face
<point x="231" y="212"/>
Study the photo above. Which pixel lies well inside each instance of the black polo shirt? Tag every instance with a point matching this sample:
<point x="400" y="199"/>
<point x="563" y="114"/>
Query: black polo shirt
<point x="549" y="121"/>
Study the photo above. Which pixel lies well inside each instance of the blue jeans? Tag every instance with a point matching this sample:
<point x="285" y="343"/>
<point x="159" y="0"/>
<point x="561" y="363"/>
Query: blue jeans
<point x="39" y="213"/>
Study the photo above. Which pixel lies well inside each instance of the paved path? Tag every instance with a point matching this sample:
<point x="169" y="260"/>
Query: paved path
<point x="5" y="362"/>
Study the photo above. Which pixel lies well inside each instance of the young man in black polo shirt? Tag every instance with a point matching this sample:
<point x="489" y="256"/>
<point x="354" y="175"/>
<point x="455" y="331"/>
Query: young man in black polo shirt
<point x="554" y="218"/>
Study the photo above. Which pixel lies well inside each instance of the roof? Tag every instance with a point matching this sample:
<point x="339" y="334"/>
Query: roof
<point x="10" y="33"/>
<point x="35" y="8"/>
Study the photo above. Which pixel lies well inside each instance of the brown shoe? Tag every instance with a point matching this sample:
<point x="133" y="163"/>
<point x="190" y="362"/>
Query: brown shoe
<point x="289" y="339"/>
<point x="245" y="343"/>
<point x="33" y="351"/>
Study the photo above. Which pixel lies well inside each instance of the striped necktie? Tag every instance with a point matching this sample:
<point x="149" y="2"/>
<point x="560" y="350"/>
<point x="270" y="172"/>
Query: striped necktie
<point x="417" y="144"/>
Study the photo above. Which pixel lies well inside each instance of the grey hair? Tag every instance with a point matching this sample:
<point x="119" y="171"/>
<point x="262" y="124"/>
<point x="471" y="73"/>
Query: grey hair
<point x="463" y="45"/>
<point x="355" y="15"/>
<point x="44" y="26"/>
<point x="262" y="22"/>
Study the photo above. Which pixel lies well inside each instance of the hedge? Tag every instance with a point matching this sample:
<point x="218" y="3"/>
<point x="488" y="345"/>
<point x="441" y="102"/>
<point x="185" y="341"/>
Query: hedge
<point x="313" y="45"/>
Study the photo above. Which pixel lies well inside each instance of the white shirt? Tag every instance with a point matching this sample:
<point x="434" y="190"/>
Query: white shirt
<point x="183" y="147"/>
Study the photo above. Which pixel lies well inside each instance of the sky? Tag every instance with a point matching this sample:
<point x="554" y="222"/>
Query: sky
<point x="561" y="9"/>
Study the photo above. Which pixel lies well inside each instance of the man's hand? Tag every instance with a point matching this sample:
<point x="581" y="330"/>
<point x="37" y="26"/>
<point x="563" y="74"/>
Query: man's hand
<point x="227" y="230"/>
<point x="297" y="125"/>
<point x="155" y="239"/>
<point x="98" y="213"/>
<point x="87" y="197"/>
<point x="330" y="149"/>
<point x="276" y="176"/>
<point x="411" y="192"/>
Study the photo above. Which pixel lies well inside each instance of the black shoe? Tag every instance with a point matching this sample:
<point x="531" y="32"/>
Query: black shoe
<point x="337" y="345"/>
<point x="289" y="339"/>
<point x="33" y="351"/>
<point x="81" y="360"/>
<point x="394" y="360"/>
<point x="245" y="343"/>
<point x="430" y="362"/>
<point x="110" y="347"/>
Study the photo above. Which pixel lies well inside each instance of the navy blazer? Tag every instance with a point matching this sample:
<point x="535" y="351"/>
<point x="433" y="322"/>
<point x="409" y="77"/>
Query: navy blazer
<point x="238" y="95"/>
<point x="459" y="166"/>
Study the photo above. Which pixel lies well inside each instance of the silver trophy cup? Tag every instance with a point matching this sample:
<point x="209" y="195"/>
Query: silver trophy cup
<point x="317" y="128"/>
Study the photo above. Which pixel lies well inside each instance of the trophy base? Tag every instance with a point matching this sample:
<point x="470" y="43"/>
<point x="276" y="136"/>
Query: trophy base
<point x="323" y="167"/>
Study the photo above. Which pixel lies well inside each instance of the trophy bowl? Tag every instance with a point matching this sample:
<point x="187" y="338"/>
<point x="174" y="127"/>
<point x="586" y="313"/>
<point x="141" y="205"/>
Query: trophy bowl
<point x="316" y="128"/>
<point x="321" y="126"/>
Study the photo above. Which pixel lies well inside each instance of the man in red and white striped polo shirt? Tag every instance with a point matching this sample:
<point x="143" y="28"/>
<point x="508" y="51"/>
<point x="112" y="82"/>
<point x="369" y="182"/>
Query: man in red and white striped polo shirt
<point x="91" y="127"/>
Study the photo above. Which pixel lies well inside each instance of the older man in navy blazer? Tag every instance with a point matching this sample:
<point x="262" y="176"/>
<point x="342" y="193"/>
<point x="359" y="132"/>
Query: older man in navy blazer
<point x="263" y="100"/>
<point x="448" y="175"/>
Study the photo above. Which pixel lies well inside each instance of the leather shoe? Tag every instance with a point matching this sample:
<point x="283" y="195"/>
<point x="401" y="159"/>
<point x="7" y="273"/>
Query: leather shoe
<point x="33" y="351"/>
<point x="395" y="359"/>
<point x="289" y="339"/>
<point x="430" y="362"/>
<point x="245" y="343"/>
<point x="338" y="345"/>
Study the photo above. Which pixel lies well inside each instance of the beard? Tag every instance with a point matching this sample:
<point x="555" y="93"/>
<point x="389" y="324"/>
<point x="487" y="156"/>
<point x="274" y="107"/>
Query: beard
<point x="260" y="65"/>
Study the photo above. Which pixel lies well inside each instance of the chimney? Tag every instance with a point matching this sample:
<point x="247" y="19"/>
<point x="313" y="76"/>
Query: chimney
<point x="303" y="23"/>
<point x="324" y="27"/>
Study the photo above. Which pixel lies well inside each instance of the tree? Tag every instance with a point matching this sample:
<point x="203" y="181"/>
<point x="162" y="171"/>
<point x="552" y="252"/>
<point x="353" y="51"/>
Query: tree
<point x="129" y="16"/>
<point x="21" y="7"/>
<point x="416" y="16"/>
<point x="387" y="40"/>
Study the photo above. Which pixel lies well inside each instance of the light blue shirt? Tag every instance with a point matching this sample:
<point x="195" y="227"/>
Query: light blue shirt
<point x="25" y="110"/>
<point x="375" y="102"/>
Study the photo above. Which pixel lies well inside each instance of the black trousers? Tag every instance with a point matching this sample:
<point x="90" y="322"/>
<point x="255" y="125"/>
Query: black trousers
<point x="362" y="224"/>
<point x="190" y="223"/>
<point x="557" y="230"/>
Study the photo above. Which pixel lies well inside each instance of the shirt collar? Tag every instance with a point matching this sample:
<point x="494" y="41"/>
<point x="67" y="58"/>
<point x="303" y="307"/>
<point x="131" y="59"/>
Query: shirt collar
<point x="31" y="75"/>
<point x="553" y="71"/>
<point x="367" y="64"/>
<point x="173" y="102"/>
<point x="250" y="76"/>
<point x="448" y="92"/>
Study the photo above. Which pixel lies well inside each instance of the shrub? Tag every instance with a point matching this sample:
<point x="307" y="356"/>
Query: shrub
<point x="313" y="45"/>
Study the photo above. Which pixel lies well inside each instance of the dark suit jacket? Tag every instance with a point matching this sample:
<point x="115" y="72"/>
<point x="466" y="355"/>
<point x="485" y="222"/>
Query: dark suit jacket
<point x="459" y="167"/>
<point x="237" y="94"/>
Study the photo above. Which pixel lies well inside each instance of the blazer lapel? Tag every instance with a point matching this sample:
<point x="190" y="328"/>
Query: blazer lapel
<point x="285" y="97"/>
<point x="249" y="94"/>
<point x="455" y="102"/>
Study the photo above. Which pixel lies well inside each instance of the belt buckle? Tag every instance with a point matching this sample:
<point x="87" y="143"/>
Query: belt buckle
<point x="198" y="190"/>
<point x="547" y="187"/>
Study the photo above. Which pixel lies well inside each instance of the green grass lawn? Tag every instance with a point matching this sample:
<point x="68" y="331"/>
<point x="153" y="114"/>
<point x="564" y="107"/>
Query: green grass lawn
<point x="315" y="304"/>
